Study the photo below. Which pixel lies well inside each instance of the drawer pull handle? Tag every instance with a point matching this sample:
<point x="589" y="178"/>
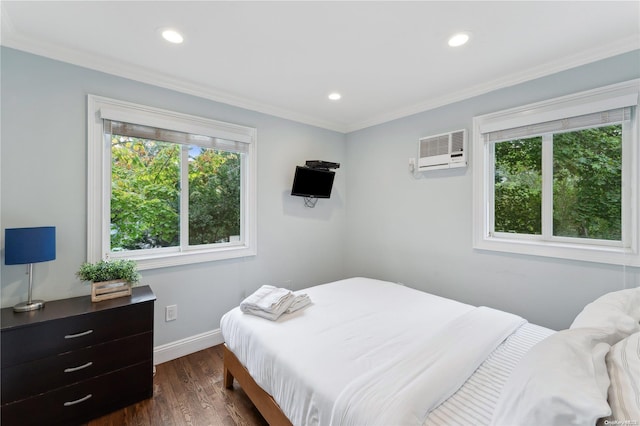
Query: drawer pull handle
<point x="77" y="401"/>
<point x="80" y="367"/>
<point x="73" y="336"/>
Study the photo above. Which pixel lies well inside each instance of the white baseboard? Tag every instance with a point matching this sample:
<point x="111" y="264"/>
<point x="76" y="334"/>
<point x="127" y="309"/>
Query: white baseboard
<point x="186" y="346"/>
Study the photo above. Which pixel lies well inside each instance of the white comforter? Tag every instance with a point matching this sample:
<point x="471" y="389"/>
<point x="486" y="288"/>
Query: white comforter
<point x="346" y="358"/>
<point x="404" y="390"/>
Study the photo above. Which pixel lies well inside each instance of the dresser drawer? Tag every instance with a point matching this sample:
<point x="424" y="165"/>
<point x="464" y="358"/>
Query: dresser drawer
<point x="23" y="380"/>
<point x="82" y="401"/>
<point x="42" y="340"/>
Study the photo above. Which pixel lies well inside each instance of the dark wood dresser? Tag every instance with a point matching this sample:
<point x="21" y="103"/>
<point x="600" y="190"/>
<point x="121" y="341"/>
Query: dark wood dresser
<point x="75" y="360"/>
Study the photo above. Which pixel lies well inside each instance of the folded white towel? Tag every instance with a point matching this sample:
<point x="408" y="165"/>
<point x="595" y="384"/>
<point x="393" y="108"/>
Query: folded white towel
<point x="299" y="301"/>
<point x="268" y="302"/>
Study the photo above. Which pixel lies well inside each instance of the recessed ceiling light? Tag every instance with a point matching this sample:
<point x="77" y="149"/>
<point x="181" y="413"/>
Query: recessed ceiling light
<point x="458" y="39"/>
<point x="335" y="96"/>
<point x="172" y="36"/>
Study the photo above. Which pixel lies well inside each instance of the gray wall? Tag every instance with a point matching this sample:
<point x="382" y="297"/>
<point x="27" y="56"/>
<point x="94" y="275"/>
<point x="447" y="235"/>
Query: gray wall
<point x="43" y="182"/>
<point x="391" y="226"/>
<point x="418" y="231"/>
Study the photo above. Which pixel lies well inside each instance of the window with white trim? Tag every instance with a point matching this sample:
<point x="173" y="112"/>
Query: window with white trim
<point x="560" y="178"/>
<point x="166" y="188"/>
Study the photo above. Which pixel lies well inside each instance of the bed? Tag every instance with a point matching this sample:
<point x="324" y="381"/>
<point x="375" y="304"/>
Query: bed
<point x="374" y="352"/>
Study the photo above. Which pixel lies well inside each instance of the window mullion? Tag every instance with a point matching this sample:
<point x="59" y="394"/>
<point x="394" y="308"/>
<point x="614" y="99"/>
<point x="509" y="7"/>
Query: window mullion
<point x="184" y="197"/>
<point x="630" y="170"/>
<point x="105" y="212"/>
<point x="490" y="188"/>
<point x="547" y="187"/>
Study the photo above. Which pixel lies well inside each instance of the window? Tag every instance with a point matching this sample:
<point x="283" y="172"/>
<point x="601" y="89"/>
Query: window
<point x="560" y="178"/>
<point x="167" y="188"/>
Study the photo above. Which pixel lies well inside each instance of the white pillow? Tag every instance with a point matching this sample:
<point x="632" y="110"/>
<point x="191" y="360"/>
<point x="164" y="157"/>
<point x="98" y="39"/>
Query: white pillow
<point x="618" y="311"/>
<point x="561" y="381"/>
<point x="623" y="364"/>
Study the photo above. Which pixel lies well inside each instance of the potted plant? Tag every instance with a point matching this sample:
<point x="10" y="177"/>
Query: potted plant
<point x="109" y="278"/>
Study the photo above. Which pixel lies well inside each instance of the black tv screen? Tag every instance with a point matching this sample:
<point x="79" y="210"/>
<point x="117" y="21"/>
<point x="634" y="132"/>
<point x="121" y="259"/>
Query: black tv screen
<point x="315" y="183"/>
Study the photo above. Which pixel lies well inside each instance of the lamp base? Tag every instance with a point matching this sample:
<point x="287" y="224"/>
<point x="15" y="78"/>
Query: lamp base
<point x="26" y="306"/>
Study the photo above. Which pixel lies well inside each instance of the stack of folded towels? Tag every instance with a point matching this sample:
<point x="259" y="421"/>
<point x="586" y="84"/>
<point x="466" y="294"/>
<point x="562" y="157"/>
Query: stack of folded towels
<point x="271" y="302"/>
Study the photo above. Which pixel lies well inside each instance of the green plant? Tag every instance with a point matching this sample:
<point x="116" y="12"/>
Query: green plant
<point x="108" y="270"/>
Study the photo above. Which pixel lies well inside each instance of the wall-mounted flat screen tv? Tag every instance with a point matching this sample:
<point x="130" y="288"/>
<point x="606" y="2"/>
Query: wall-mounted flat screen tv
<point x="314" y="183"/>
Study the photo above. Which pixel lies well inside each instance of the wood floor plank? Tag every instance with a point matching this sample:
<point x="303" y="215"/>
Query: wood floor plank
<point x="189" y="391"/>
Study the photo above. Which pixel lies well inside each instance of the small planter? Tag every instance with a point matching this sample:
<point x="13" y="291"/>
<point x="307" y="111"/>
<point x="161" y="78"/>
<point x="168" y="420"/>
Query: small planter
<point x="109" y="278"/>
<point x="105" y="290"/>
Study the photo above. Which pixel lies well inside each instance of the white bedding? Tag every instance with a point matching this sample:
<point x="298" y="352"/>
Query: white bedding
<point x="306" y="360"/>
<point x="406" y="389"/>
<point x="474" y="403"/>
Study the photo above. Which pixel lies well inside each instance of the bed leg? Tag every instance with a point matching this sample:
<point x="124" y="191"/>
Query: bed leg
<point x="228" y="376"/>
<point x="267" y="406"/>
<point x="228" y="379"/>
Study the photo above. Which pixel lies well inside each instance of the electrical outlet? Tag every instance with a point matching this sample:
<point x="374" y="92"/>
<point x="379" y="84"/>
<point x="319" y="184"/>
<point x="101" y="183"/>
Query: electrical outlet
<point x="171" y="313"/>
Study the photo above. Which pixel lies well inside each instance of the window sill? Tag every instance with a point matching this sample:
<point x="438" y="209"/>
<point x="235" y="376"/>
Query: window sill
<point x="185" y="258"/>
<point x="582" y="252"/>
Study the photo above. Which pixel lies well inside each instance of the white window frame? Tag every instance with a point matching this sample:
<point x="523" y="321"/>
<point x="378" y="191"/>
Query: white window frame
<point x="99" y="183"/>
<point x="602" y="99"/>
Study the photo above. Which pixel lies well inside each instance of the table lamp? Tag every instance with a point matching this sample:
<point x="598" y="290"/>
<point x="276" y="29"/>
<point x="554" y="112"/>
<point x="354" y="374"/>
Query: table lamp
<point x="28" y="246"/>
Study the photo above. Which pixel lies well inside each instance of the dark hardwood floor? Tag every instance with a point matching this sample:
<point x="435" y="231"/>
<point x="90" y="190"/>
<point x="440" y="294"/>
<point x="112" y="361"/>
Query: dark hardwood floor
<point x="189" y="391"/>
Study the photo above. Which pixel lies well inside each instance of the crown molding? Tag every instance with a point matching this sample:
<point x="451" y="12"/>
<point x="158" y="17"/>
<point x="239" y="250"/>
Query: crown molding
<point x="582" y="58"/>
<point x="118" y="68"/>
<point x="10" y="38"/>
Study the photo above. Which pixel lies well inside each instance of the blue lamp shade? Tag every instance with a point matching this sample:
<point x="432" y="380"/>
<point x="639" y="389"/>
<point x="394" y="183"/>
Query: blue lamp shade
<point x="29" y="245"/>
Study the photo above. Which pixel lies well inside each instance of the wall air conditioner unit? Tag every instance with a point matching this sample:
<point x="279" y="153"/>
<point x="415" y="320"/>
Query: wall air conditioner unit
<point x="444" y="151"/>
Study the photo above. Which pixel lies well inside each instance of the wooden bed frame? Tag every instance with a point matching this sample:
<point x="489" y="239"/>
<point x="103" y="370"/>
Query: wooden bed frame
<point x="264" y="402"/>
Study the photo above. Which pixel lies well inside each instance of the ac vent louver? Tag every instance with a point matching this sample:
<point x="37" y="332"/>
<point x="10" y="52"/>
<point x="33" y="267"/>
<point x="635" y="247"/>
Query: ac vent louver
<point x="437" y="145"/>
<point x="443" y="151"/>
<point x="457" y="141"/>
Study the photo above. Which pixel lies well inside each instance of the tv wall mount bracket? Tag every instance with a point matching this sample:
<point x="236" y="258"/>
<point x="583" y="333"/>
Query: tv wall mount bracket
<point x="321" y="165"/>
<point x="318" y="165"/>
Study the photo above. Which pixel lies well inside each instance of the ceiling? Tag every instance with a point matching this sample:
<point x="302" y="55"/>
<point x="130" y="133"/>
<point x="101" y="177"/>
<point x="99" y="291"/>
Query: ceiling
<point x="387" y="59"/>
